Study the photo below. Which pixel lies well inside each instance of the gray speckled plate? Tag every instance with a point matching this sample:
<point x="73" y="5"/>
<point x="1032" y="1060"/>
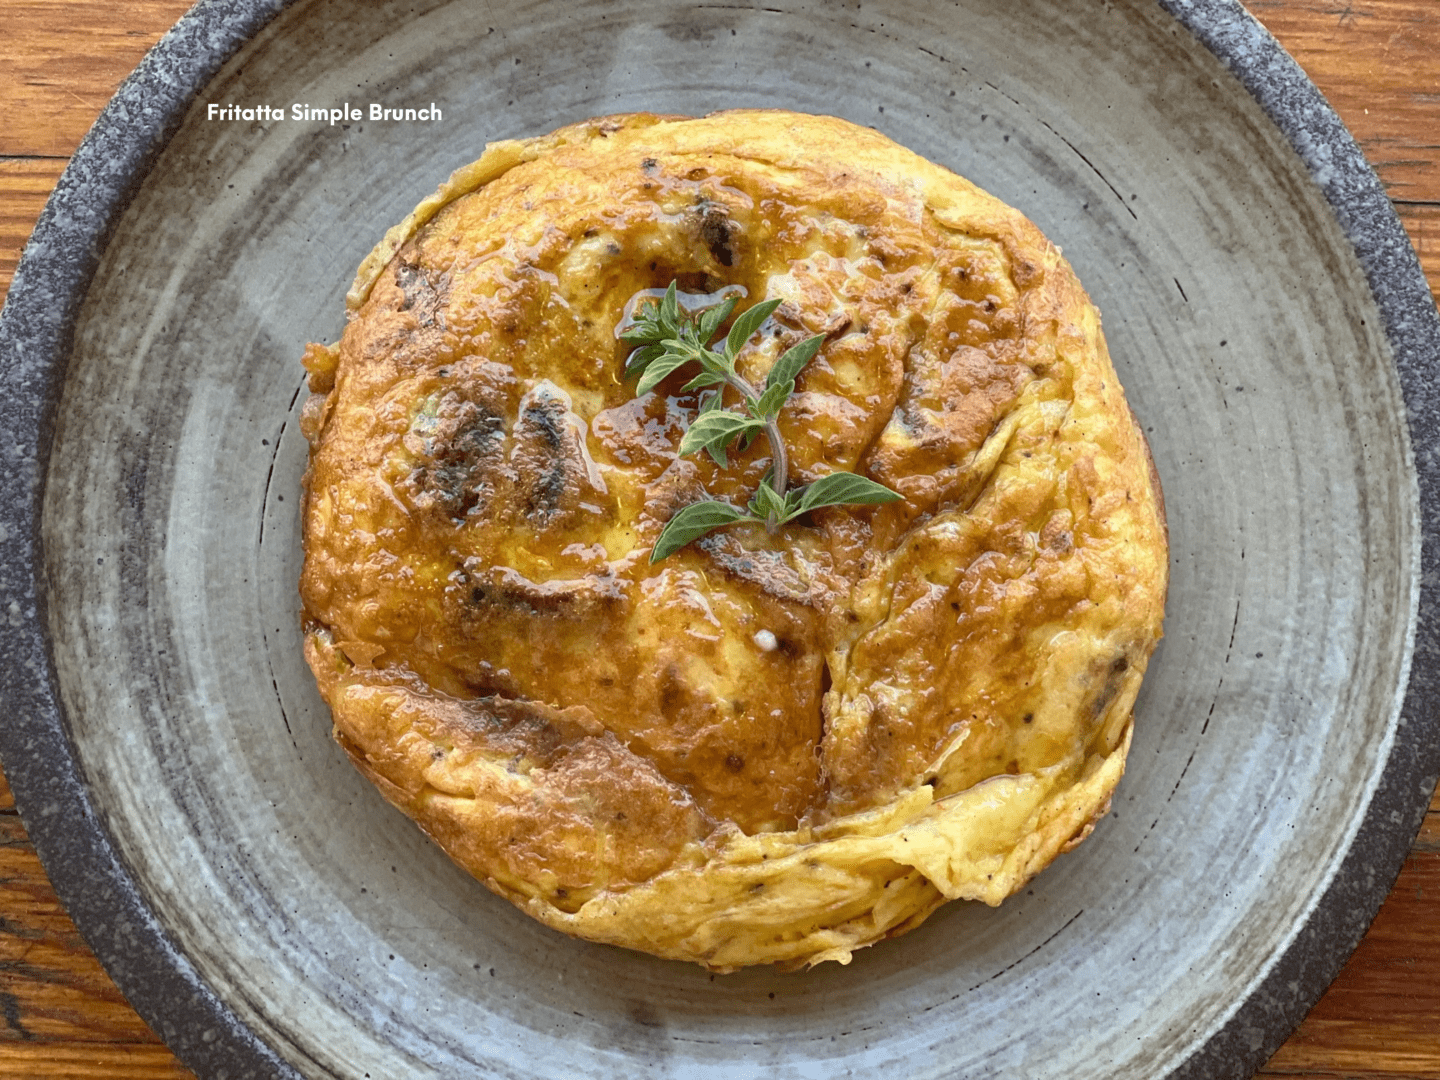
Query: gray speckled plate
<point x="271" y="917"/>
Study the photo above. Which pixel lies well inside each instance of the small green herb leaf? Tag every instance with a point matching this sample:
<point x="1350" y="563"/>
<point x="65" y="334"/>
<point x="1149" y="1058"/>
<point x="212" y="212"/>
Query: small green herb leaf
<point x="772" y="400"/>
<point x="711" y="319"/>
<point x="716" y="428"/>
<point x="766" y="502"/>
<point x="704" y="379"/>
<point x="714" y="363"/>
<point x="710" y="401"/>
<point x="690" y="338"/>
<point x="745" y="326"/>
<point x="643" y="331"/>
<point x="690" y="523"/>
<point x="640" y="358"/>
<point x="670" y="307"/>
<point x="792" y="360"/>
<point x="658" y="369"/>
<point x="838" y="489"/>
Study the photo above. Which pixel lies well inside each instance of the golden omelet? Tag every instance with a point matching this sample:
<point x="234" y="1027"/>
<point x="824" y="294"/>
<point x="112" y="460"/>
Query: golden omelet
<point x="768" y="747"/>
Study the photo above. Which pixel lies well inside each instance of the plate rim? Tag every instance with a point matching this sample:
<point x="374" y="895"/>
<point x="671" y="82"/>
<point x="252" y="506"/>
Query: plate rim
<point x="1371" y="865"/>
<point x="72" y="840"/>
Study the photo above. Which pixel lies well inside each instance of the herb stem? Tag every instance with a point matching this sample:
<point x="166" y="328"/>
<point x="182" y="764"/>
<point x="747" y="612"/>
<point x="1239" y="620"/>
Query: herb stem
<point x="779" y="479"/>
<point x="779" y="464"/>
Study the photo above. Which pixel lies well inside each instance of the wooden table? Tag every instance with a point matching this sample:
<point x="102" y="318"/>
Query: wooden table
<point x="1378" y="61"/>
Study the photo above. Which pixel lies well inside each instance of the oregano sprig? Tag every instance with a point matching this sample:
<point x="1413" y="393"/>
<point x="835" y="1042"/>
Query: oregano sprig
<point x="667" y="338"/>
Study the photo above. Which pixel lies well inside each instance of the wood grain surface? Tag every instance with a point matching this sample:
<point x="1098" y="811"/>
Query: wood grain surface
<point x="61" y="1018"/>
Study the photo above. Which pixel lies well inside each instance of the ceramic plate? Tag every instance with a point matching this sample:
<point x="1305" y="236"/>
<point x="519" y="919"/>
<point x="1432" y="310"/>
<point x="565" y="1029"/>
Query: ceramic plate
<point x="270" y="916"/>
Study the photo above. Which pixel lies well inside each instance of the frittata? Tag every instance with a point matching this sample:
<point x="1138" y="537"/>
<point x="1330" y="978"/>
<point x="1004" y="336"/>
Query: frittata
<point x="770" y="746"/>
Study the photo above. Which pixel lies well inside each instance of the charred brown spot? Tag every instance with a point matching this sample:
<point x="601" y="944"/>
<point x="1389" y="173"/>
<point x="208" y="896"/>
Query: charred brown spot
<point x="1114" y="680"/>
<point x="464" y="457"/>
<point x="672" y="689"/>
<point x="517" y="596"/>
<point x="734" y="762"/>
<point x="542" y="426"/>
<point x="519" y="727"/>
<point x="422" y="295"/>
<point x="766" y="570"/>
<point x="717" y="230"/>
<point x="544" y="418"/>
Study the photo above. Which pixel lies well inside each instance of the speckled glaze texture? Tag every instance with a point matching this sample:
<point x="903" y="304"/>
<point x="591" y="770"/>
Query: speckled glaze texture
<point x="270" y="917"/>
